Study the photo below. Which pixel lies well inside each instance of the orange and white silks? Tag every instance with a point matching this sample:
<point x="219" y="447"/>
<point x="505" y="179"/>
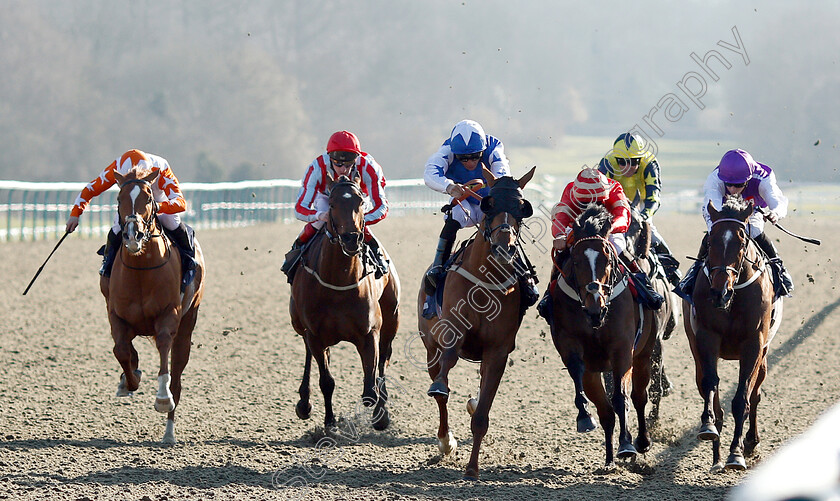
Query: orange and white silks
<point x="165" y="189"/>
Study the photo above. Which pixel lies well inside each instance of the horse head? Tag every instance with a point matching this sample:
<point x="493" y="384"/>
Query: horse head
<point x="594" y="262"/>
<point x="137" y="208"/>
<point x="727" y="243"/>
<point x="504" y="209"/>
<point x="346" y="224"/>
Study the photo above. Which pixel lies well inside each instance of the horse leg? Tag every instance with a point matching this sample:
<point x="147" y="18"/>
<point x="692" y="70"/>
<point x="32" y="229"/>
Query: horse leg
<point x="180" y="356"/>
<point x="492" y="369"/>
<point x="369" y="352"/>
<point x="446" y="439"/>
<point x="576" y="369"/>
<point x="594" y="389"/>
<point x="639" y="395"/>
<point x="448" y="359"/>
<point x="752" y="439"/>
<point x="164" y="401"/>
<point x="619" y="403"/>
<point x="381" y="418"/>
<point x="325" y="379"/>
<point x="749" y="367"/>
<point x="303" y="409"/>
<point x="126" y="355"/>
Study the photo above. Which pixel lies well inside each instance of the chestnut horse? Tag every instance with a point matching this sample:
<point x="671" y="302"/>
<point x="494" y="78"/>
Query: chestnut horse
<point x="144" y="298"/>
<point x="666" y="318"/>
<point x="338" y="298"/>
<point x="597" y="326"/>
<point x="733" y="318"/>
<point x="480" y="314"/>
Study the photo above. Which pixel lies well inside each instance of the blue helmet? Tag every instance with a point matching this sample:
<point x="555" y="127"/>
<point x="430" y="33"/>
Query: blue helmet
<point x="467" y="137"/>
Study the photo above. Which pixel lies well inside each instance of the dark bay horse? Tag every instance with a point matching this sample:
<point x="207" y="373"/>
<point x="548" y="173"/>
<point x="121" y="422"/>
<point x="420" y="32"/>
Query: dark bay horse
<point x="666" y="318"/>
<point x="597" y="326"/>
<point x="480" y="314"/>
<point x="144" y="298"/>
<point x="733" y="318"/>
<point x="336" y="297"/>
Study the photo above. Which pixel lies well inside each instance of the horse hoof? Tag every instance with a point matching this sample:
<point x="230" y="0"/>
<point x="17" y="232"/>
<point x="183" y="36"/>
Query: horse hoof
<point x="642" y="444"/>
<point x="585" y="425"/>
<point x="303" y="409"/>
<point x="471" y="406"/>
<point x="438" y="389"/>
<point x="164" y="405"/>
<point x="736" y="462"/>
<point x="381" y="419"/>
<point x="448" y="444"/>
<point x="716" y="468"/>
<point x="169" y="435"/>
<point x="470" y="477"/>
<point x="708" y="432"/>
<point x="122" y="388"/>
<point x="626" y="451"/>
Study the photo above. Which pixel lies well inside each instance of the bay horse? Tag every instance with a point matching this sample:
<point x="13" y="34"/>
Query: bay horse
<point x="666" y="318"/>
<point x="480" y="314"/>
<point x="597" y="326"/>
<point x="336" y="297"/>
<point x="733" y="317"/>
<point x="143" y="295"/>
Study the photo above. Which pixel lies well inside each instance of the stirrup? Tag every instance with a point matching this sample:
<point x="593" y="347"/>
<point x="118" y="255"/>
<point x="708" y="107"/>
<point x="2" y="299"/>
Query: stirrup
<point x="430" y="280"/>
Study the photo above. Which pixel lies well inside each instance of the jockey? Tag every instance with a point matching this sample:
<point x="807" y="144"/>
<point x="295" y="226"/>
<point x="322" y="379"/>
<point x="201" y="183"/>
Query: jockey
<point x="636" y="168"/>
<point x="737" y="174"/>
<point x="591" y="186"/>
<point x="455" y="165"/>
<point x="170" y="201"/>
<point x="342" y="158"/>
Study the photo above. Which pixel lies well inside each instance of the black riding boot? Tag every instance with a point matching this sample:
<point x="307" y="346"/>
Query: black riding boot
<point x="646" y="295"/>
<point x="685" y="289"/>
<point x="444" y="248"/>
<point x="292" y="258"/>
<point x="669" y="262"/>
<point x="782" y="281"/>
<point x="183" y="237"/>
<point x="378" y="257"/>
<point x="109" y="253"/>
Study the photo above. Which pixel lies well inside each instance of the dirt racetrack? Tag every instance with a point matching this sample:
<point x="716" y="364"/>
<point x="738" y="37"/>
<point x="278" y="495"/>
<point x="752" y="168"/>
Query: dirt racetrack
<point x="64" y="435"/>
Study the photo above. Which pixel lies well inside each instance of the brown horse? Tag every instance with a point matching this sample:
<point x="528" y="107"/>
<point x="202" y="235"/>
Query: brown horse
<point x="480" y="314"/>
<point x="338" y="298"/>
<point x="144" y="298"/>
<point x="666" y="318"/>
<point x="733" y="318"/>
<point x="597" y="326"/>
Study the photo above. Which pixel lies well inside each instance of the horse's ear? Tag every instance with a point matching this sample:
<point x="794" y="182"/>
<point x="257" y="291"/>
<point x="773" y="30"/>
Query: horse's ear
<point x="488" y="176"/>
<point x="749" y="210"/>
<point x="151" y="177"/>
<point x="486" y="204"/>
<point x="527" y="177"/>
<point x="119" y="178"/>
<point x="526" y="209"/>
<point x="714" y="213"/>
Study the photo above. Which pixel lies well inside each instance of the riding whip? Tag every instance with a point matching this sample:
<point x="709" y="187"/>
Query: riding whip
<point x="794" y="235"/>
<point x="45" y="262"/>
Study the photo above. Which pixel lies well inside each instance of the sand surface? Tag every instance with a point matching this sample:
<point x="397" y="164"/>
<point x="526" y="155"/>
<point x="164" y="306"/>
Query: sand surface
<point x="64" y="435"/>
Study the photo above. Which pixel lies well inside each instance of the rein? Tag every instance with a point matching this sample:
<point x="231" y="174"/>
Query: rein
<point x="614" y="288"/>
<point x="148" y="224"/>
<point x="709" y="270"/>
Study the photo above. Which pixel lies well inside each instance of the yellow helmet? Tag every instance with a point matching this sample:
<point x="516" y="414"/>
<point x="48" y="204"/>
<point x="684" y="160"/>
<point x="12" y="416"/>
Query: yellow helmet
<point x="629" y="150"/>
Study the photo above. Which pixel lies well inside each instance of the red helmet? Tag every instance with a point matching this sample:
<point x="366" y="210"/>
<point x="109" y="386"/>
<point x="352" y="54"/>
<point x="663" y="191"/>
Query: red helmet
<point x="590" y="185"/>
<point x="344" y="141"/>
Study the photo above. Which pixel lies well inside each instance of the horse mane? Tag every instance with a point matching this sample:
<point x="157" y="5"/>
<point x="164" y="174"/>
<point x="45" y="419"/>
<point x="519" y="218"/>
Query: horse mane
<point x="595" y="220"/>
<point x="732" y="205"/>
<point x="136" y="173"/>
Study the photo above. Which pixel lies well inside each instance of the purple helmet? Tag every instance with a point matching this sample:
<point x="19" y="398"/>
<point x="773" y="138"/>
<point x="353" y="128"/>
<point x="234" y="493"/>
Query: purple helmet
<point x="736" y="167"/>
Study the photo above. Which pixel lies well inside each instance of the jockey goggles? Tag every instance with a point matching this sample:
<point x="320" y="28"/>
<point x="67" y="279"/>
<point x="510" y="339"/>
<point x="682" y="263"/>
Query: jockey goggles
<point x="343" y="158"/>
<point x="468" y="156"/>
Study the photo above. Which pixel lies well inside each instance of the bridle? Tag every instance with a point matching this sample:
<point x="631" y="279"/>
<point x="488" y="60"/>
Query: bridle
<point x="710" y="271"/>
<point x="616" y="282"/>
<point x="132" y="223"/>
<point x="355" y="237"/>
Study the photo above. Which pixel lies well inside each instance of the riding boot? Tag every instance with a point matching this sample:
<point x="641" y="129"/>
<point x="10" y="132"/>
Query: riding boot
<point x="685" y="289"/>
<point x="379" y="262"/>
<point x="109" y="253"/>
<point x="444" y="248"/>
<point x="669" y="262"/>
<point x="183" y="238"/>
<point x="292" y="258"/>
<point x="646" y="295"/>
<point x="545" y="306"/>
<point x="783" y="282"/>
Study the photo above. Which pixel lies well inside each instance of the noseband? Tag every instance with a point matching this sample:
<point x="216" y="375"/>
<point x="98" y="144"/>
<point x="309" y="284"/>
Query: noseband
<point x="134" y="219"/>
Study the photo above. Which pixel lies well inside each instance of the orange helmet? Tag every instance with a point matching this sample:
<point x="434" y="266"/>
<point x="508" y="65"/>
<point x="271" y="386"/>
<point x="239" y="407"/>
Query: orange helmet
<point x="589" y="186"/>
<point x="131" y="159"/>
